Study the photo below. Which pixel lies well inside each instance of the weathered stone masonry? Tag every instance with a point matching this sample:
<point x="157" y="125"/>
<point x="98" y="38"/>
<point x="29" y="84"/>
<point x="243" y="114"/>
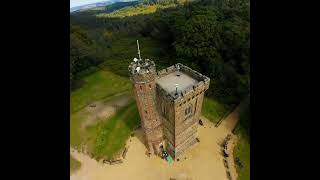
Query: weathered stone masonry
<point x="169" y="116"/>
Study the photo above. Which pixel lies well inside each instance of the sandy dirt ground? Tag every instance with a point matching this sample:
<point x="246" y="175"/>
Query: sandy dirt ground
<point x="101" y="110"/>
<point x="203" y="161"/>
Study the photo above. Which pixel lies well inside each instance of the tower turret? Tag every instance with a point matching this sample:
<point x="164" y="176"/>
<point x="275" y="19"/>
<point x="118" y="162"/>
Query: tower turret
<point x="143" y="76"/>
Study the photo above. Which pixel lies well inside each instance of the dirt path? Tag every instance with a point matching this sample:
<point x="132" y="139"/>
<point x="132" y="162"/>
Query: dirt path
<point x="101" y="110"/>
<point x="202" y="162"/>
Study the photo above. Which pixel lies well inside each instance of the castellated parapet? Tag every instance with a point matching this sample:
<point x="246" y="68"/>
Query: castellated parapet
<point x="169" y="103"/>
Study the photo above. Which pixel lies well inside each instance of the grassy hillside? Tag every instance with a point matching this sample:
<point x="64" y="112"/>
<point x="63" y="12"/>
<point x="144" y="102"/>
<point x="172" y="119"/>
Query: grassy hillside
<point x="96" y="86"/>
<point x="110" y="136"/>
<point x="242" y="152"/>
<point x="134" y="10"/>
<point x="99" y="138"/>
<point x="100" y="85"/>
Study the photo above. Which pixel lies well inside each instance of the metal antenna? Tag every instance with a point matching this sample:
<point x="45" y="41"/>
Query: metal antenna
<point x="176" y="85"/>
<point x="178" y="68"/>
<point x="138" y="50"/>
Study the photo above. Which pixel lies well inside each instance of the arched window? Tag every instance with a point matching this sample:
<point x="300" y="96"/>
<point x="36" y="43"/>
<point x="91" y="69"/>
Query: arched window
<point x="188" y="110"/>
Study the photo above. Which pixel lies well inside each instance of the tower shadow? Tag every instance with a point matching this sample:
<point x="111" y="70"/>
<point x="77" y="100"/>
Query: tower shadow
<point x="140" y="136"/>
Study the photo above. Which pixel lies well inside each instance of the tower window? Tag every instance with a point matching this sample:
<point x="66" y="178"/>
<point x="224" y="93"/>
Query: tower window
<point x="141" y="87"/>
<point x="150" y="86"/>
<point x="188" y="110"/>
<point x="146" y="112"/>
<point x="195" y="106"/>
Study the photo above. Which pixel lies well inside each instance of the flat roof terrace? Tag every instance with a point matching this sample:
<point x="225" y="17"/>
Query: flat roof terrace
<point x="168" y="82"/>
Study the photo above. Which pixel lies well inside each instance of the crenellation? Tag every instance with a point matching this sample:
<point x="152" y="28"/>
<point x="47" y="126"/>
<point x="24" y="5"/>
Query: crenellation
<point x="171" y="69"/>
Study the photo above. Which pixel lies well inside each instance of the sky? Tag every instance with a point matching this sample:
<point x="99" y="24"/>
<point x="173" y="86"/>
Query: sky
<point x="74" y="3"/>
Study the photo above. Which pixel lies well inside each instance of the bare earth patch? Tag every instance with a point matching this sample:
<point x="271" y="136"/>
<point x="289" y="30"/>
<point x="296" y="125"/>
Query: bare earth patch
<point x="102" y="110"/>
<point x="202" y="162"/>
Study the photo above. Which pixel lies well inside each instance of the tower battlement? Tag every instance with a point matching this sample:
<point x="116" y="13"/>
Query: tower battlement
<point x="142" y="71"/>
<point x="198" y="84"/>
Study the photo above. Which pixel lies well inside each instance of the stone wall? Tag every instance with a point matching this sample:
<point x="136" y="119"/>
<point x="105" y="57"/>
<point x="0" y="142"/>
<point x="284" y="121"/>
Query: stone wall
<point x="180" y="131"/>
<point x="165" y="106"/>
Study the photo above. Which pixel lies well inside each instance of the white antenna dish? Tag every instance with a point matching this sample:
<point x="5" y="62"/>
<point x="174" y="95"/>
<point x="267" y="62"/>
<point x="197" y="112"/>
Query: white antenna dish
<point x="135" y="59"/>
<point x="138" y="69"/>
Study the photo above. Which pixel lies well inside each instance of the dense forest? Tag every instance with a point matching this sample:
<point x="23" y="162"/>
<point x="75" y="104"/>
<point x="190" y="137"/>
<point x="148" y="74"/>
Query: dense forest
<point x="210" y="36"/>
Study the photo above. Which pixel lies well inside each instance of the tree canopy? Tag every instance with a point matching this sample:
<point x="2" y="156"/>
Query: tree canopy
<point x="212" y="37"/>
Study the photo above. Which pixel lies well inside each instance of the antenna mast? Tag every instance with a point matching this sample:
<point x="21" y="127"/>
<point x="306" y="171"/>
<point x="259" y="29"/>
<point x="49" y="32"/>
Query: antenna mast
<point x="176" y="85"/>
<point x="138" y="50"/>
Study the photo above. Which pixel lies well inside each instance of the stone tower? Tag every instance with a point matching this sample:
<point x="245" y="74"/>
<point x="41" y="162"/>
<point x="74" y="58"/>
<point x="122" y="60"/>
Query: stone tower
<point x="180" y="93"/>
<point x="169" y="103"/>
<point x="143" y="76"/>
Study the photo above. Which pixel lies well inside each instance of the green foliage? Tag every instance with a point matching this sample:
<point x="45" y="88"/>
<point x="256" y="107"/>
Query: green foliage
<point x="196" y="32"/>
<point x="242" y="152"/>
<point x="130" y="11"/>
<point x="244" y="118"/>
<point x="123" y="50"/>
<point x="215" y="36"/>
<point x="74" y="165"/>
<point x="213" y="110"/>
<point x="211" y="36"/>
<point x="242" y="149"/>
<point x="82" y="55"/>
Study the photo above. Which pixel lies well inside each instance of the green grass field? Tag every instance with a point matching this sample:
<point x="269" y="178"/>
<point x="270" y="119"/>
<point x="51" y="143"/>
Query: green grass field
<point x="100" y="85"/>
<point x="97" y="86"/>
<point x="110" y="136"/>
<point x="242" y="151"/>
<point x="74" y="165"/>
<point x="106" y="137"/>
<point x="213" y="110"/>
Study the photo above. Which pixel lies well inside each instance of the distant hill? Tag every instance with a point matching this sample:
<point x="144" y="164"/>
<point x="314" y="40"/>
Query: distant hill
<point x="96" y="5"/>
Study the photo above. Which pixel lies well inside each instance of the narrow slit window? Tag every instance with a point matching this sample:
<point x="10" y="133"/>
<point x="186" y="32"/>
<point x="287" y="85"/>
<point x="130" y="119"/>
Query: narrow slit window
<point x="195" y="106"/>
